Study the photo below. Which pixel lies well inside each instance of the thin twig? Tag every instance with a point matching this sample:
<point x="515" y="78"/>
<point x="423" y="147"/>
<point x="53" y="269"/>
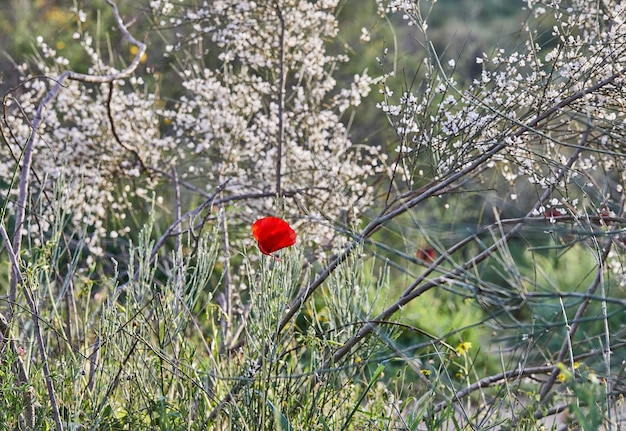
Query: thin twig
<point x="37" y="329"/>
<point x="133" y="151"/>
<point x="413" y="291"/>
<point x="226" y="319"/>
<point x="281" y="99"/>
<point x="545" y="390"/>
<point x="14" y="247"/>
<point x="27" y="155"/>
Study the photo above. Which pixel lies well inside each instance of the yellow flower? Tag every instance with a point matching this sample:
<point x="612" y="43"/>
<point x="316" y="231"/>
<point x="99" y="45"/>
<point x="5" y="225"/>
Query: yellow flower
<point x="463" y="347"/>
<point x="134" y="50"/>
<point x="565" y="373"/>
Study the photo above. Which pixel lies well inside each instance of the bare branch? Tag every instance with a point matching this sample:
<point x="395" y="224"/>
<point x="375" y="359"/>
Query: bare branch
<point x="412" y="291"/>
<point x="281" y="100"/>
<point x="35" y="313"/>
<point x="27" y="155"/>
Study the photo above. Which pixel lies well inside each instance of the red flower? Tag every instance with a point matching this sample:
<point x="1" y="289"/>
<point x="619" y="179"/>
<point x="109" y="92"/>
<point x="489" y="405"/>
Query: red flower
<point x="428" y="255"/>
<point x="553" y="212"/>
<point x="272" y="234"/>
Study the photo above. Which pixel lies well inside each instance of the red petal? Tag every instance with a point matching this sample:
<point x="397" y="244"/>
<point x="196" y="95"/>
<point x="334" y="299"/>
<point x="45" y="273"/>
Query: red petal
<point x="272" y="234"/>
<point x="553" y="212"/>
<point x="426" y="254"/>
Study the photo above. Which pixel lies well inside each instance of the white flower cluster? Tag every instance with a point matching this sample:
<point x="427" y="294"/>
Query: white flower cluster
<point x="269" y="88"/>
<point x="229" y="119"/>
<point x="514" y="89"/>
<point x="533" y="107"/>
<point x="76" y="138"/>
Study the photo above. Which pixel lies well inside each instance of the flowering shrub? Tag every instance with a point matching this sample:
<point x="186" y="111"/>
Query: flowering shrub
<point x="268" y="115"/>
<point x="97" y="135"/>
<point x="547" y="118"/>
<point x="258" y="125"/>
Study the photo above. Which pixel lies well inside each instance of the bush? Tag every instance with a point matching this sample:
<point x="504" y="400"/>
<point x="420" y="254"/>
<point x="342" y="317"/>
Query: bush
<point x="467" y="272"/>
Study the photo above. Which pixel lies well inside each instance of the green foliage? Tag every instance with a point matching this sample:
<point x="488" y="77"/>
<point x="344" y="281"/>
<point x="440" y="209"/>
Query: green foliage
<point x="465" y="299"/>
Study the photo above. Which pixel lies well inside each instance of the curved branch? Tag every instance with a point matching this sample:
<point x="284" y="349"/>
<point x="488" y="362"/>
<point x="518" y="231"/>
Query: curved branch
<point x="27" y="155"/>
<point x="114" y="131"/>
<point x="413" y="291"/>
<point x="14" y="246"/>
